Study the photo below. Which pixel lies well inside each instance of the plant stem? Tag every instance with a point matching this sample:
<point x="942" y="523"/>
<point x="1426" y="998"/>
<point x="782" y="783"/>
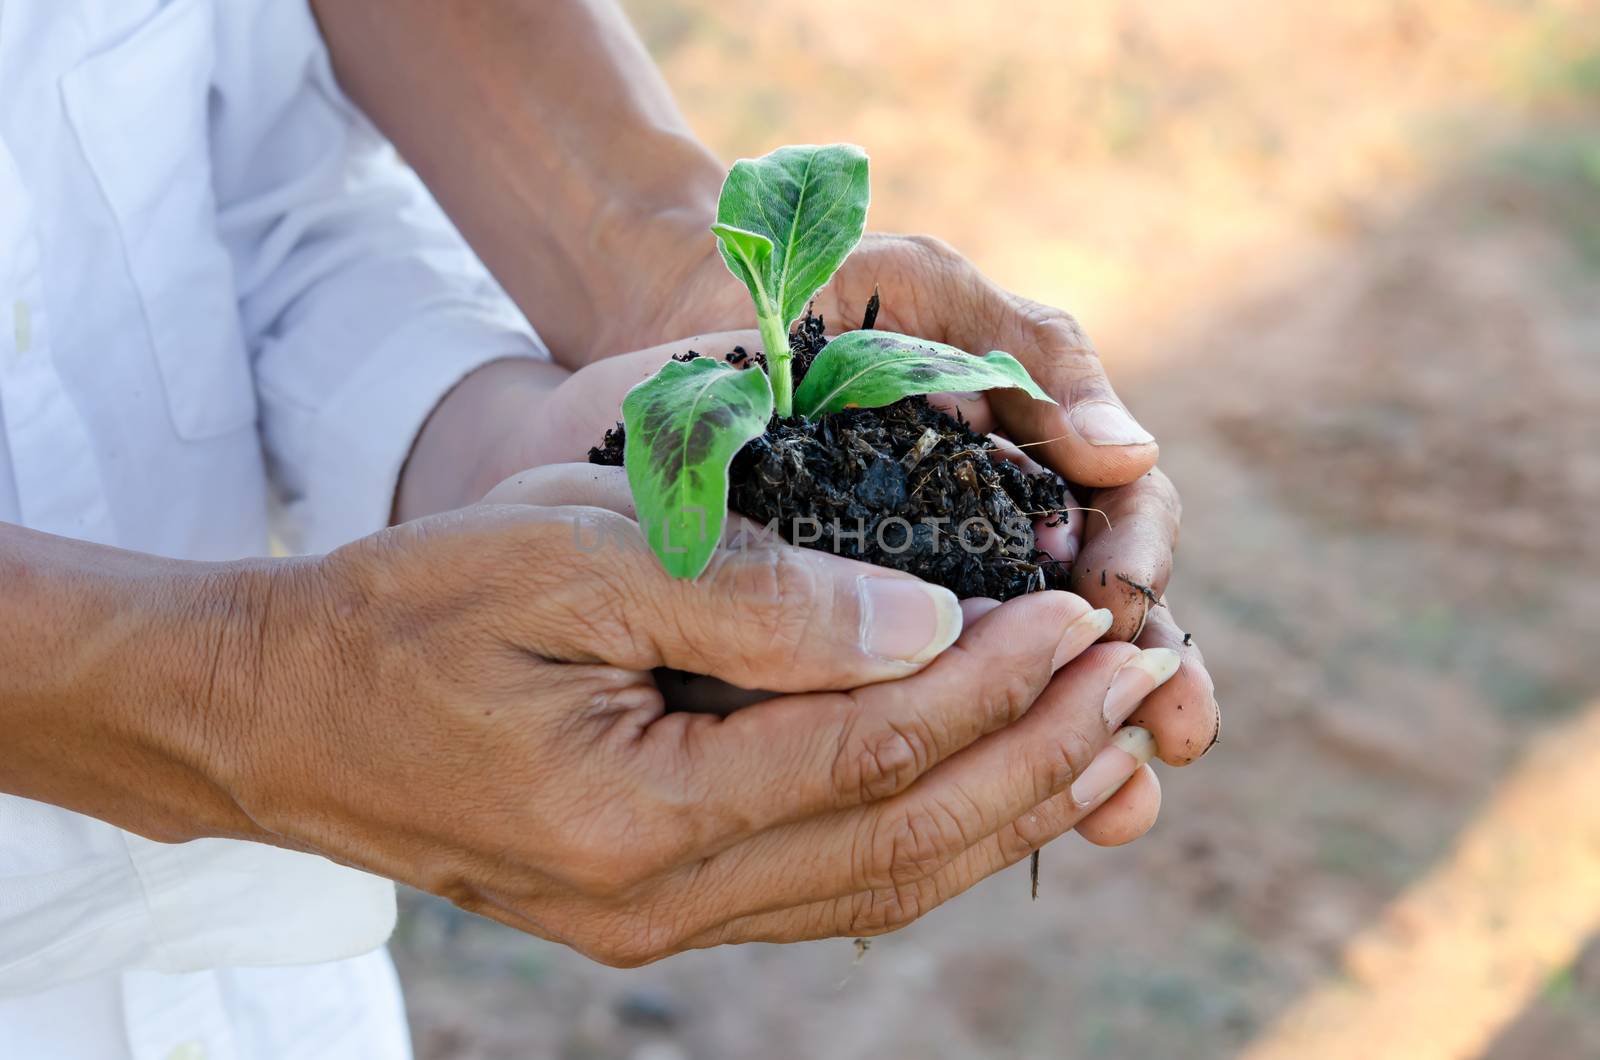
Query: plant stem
<point x="776" y="339"/>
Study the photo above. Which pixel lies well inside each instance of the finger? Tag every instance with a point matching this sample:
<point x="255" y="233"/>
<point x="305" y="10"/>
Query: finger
<point x="970" y="796"/>
<point x="1009" y="451"/>
<point x="970" y="408"/>
<point x="874" y="912"/>
<point x="1182" y="714"/>
<point x="1055" y="538"/>
<point x="974" y="608"/>
<point x="1089" y="436"/>
<point x="592" y="398"/>
<point x="762" y="615"/>
<point x="553" y="485"/>
<point x="1058" y="534"/>
<point x="1128" y="814"/>
<point x="1093" y="439"/>
<point x="595" y="486"/>
<point x="799" y="756"/>
<point x="1126" y="557"/>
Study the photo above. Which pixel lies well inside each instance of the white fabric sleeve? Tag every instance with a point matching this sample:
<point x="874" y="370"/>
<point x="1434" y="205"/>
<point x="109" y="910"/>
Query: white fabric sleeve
<point x="80" y="897"/>
<point x="361" y="304"/>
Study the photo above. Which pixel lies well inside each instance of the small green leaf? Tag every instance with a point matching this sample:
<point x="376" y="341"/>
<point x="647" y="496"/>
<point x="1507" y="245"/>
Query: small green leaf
<point x="684" y="425"/>
<point x="870" y="369"/>
<point x="747" y="255"/>
<point x="810" y="205"/>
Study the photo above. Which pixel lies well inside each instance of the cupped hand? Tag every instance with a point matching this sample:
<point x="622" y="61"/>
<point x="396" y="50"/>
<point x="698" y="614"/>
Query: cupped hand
<point x="465" y="703"/>
<point x="1120" y="545"/>
<point x="1125" y="817"/>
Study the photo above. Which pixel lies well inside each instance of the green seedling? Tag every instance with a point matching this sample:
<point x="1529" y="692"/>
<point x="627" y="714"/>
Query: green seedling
<point x="785" y="223"/>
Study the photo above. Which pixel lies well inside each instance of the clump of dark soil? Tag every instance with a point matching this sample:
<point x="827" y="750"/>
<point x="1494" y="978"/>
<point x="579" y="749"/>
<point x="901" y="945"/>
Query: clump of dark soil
<point x="905" y="486"/>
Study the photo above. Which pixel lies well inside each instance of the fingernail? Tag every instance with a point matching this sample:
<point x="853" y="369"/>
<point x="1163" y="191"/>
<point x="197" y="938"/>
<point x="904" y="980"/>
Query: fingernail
<point x="1084" y="631"/>
<point x="1139" y="676"/>
<point x="906" y="620"/>
<point x="1105" y="423"/>
<point x="1117" y="761"/>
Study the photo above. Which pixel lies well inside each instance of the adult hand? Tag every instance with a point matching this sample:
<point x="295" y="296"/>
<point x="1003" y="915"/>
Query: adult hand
<point x="1123" y="819"/>
<point x="465" y="703"/>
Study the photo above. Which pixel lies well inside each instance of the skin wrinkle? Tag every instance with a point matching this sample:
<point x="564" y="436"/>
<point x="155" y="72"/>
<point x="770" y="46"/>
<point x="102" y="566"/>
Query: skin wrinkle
<point x="1056" y="772"/>
<point x="703" y="834"/>
<point x="906" y="847"/>
<point x="887" y="753"/>
<point x="856" y="764"/>
<point x="210" y="703"/>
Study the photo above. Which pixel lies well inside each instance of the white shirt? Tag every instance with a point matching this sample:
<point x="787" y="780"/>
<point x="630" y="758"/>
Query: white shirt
<point x="216" y="283"/>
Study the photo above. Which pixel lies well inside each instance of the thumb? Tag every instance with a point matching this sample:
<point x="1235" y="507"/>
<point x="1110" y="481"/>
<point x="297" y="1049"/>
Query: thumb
<point x="590" y="485"/>
<point x="764" y="614"/>
<point x="1090" y="437"/>
<point x="769" y="615"/>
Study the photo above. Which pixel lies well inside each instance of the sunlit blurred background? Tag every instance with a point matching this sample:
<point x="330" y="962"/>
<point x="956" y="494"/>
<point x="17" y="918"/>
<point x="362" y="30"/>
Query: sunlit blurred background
<point x="1344" y="259"/>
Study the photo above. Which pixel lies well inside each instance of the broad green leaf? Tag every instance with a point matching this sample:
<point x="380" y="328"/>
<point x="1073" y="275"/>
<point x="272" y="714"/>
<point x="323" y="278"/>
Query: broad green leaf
<point x="684" y="425"/>
<point x="810" y="204"/>
<point x="870" y="369"/>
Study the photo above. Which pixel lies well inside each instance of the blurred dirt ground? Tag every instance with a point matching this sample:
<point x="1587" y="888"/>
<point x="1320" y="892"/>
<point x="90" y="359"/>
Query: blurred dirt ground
<point x="1344" y="260"/>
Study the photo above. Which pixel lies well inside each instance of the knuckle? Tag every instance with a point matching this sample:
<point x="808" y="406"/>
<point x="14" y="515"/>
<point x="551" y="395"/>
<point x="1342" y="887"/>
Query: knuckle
<point x="1018" y="839"/>
<point x="936" y="249"/>
<point x="1059" y="762"/>
<point x="605" y="607"/>
<point x="777" y="593"/>
<point x="1031" y="831"/>
<point x="914" y="844"/>
<point x="880" y="763"/>
<point x="888" y="909"/>
<point x="1009" y="694"/>
<point x="1073" y="751"/>
<point x="1057" y="332"/>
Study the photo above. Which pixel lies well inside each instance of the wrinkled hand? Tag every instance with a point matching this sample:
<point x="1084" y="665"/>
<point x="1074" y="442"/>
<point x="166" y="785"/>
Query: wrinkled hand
<point x="466" y="704"/>
<point x="1122" y="820"/>
<point x="1126" y="543"/>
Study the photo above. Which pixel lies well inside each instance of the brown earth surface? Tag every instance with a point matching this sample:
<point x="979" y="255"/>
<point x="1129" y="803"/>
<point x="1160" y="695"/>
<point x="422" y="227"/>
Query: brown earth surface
<point x="1346" y="265"/>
